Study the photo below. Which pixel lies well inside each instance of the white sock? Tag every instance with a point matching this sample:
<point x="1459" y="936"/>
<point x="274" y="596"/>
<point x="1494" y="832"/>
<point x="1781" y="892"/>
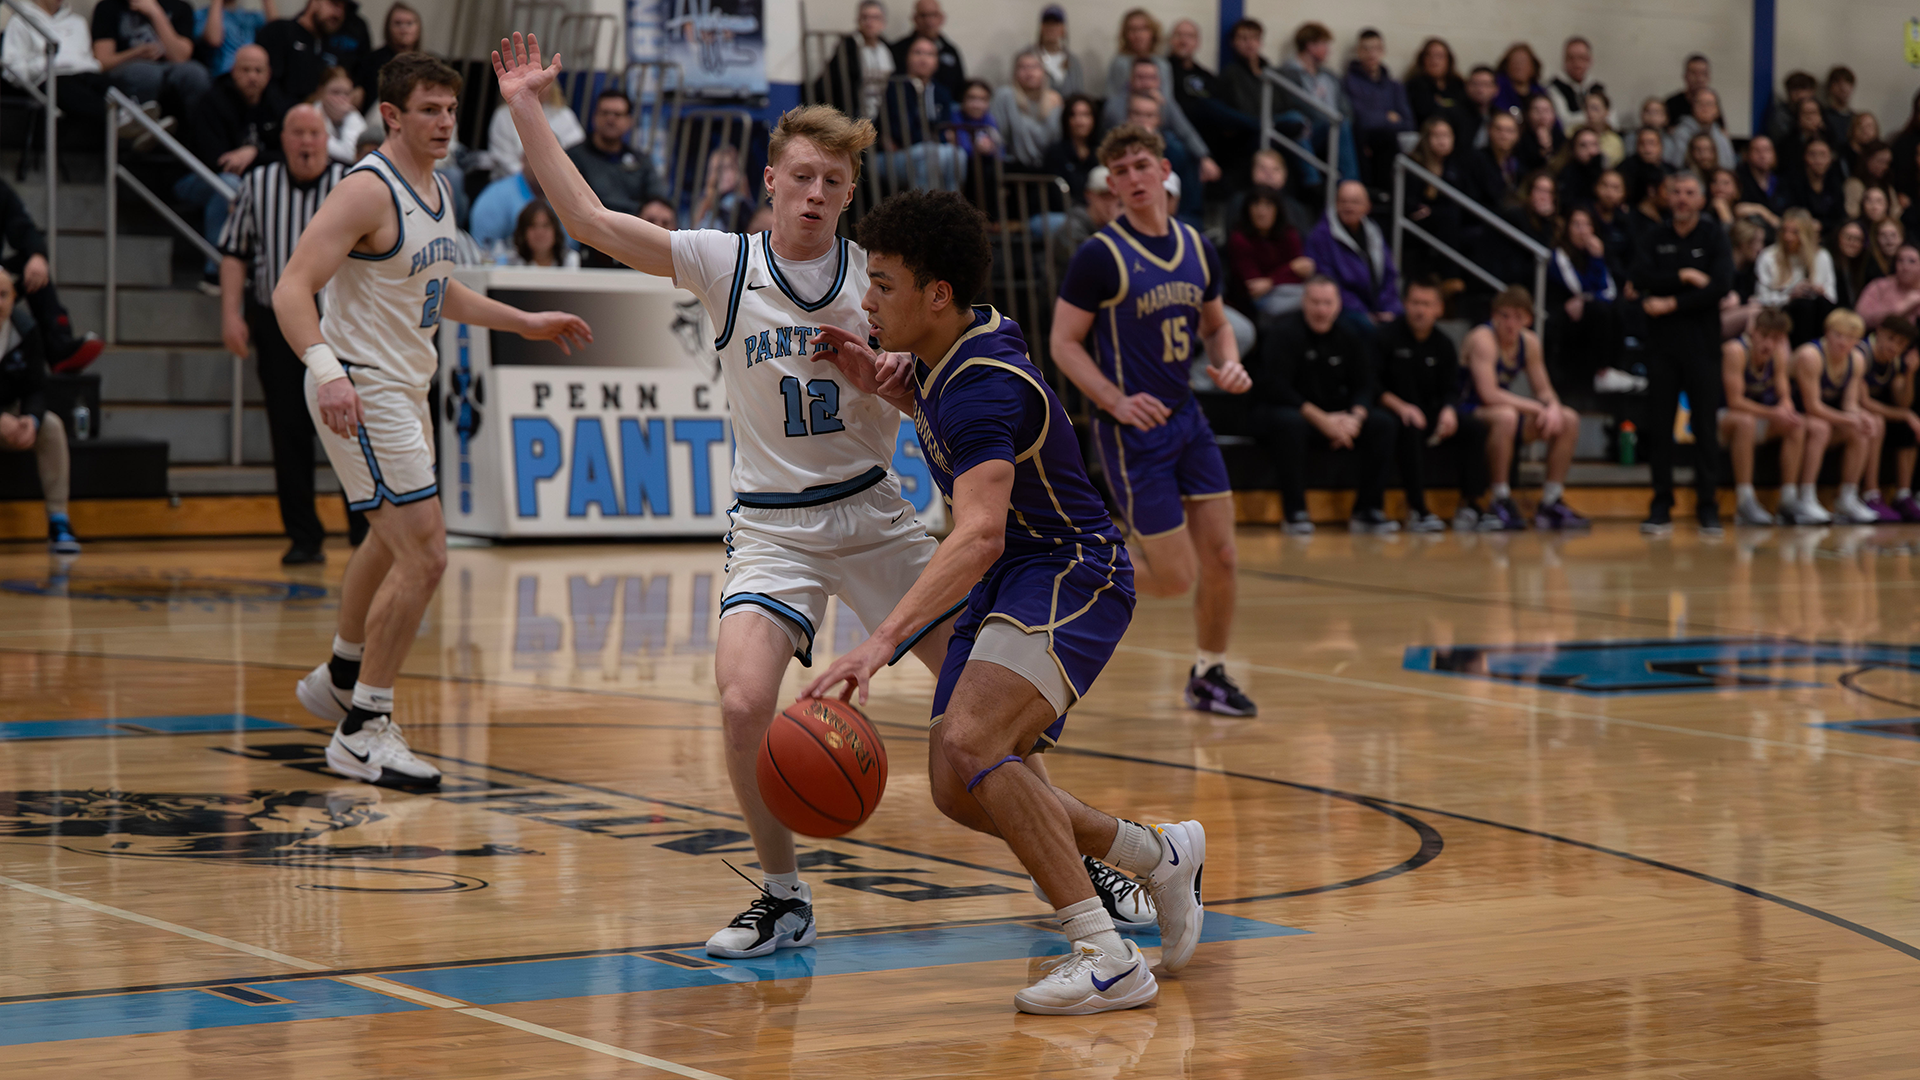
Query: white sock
<point x="789" y="881"/>
<point x="1743" y="492"/>
<point x="1849" y="491"/>
<point x="1136" y="848"/>
<point x="1502" y="491"/>
<point x="1204" y="660"/>
<point x="1087" y="923"/>
<point x="346" y="650"/>
<point x="1904" y="493"/>
<point x="1872" y="496"/>
<point x="1789" y="494"/>
<point x="374" y="699"/>
<point x="1551" y="491"/>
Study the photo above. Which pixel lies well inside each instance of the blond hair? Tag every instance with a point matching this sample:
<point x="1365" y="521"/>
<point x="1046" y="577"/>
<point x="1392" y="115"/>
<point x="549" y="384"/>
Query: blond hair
<point x="1808" y="231"/>
<point x="1846" y="322"/>
<point x="825" y="127"/>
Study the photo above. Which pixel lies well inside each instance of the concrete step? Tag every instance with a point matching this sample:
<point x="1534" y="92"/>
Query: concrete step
<point x="176" y="376"/>
<point x="238" y="480"/>
<point x="149" y="316"/>
<point x="142" y="260"/>
<point x="195" y="434"/>
<point x="82" y="206"/>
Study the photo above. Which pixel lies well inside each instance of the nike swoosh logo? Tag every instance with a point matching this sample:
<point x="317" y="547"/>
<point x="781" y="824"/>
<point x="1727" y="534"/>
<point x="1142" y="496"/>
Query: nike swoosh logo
<point x="754" y="288"/>
<point x="1175" y="848"/>
<point x="897" y="517"/>
<point x="1103" y="985"/>
<point x="798" y="934"/>
<point x="357" y="756"/>
<point x="409" y="213"/>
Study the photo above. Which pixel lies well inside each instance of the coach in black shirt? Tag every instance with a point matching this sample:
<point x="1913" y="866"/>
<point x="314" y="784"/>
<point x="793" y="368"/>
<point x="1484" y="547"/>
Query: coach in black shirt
<point x="1682" y="268"/>
<point x="1313" y="387"/>
<point x="1420" y="386"/>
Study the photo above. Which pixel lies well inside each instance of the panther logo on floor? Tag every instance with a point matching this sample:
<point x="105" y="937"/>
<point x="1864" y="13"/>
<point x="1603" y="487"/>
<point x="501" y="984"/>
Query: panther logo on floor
<point x="289" y="829"/>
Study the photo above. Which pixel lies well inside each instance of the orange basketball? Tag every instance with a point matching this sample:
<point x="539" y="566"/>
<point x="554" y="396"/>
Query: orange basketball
<point x="822" y="767"/>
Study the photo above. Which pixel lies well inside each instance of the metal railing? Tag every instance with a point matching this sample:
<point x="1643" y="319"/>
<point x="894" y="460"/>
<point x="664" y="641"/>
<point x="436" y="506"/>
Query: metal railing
<point x="122" y="109"/>
<point x="1329" y="165"/>
<point x="1402" y="165"/>
<point x="699" y="138"/>
<point x="657" y="90"/>
<point x="48" y="100"/>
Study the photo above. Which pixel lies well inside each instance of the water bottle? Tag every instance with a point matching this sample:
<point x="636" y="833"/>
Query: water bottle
<point x="82" y="422"/>
<point x="1629" y="442"/>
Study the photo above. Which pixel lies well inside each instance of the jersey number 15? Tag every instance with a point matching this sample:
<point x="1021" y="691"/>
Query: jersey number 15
<point x="1177" y="342"/>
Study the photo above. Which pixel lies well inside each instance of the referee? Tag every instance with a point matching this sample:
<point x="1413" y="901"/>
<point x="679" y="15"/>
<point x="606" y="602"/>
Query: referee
<point x="275" y="202"/>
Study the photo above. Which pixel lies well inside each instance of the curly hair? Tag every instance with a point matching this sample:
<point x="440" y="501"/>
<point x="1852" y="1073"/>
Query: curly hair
<point x="937" y="234"/>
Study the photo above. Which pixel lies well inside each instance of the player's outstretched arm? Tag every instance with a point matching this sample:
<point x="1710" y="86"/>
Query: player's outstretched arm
<point x="354" y="211"/>
<point x="640" y="244"/>
<point x="981" y="496"/>
<point x="563" y="328"/>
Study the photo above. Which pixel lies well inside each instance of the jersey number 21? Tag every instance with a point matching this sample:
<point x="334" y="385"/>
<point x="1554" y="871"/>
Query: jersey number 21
<point x="430" y="311"/>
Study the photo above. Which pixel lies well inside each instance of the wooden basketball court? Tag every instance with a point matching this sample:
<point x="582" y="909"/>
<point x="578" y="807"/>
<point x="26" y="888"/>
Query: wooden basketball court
<point x="1526" y="807"/>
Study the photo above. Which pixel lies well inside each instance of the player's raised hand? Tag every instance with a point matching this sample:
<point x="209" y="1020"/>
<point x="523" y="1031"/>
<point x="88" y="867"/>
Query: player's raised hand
<point x="1231" y="376"/>
<point x="858" y="361"/>
<point x="339" y="405"/>
<point x="563" y="328"/>
<point x="854" y="670"/>
<point x="1143" y="411"/>
<point x="520" y="73"/>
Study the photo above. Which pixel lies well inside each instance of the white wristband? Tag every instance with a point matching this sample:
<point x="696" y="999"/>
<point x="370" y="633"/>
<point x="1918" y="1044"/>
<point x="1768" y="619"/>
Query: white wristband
<point x="323" y="364"/>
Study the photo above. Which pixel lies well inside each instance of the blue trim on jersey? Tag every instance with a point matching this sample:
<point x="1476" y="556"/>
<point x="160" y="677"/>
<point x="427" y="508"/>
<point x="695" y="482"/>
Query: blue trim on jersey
<point x="415" y="194"/>
<point x="813" y="496"/>
<point x="773" y="268"/>
<point x="906" y="646"/>
<point x="399" y="217"/>
<point x="733" y="299"/>
<point x="381" y="492"/>
<point x="805" y="656"/>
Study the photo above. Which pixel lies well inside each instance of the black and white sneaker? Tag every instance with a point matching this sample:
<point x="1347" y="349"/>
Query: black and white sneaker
<point x="1659" y="522"/>
<point x="1212" y="691"/>
<point x="1125" y="899"/>
<point x="378" y="754"/>
<point x="320" y="697"/>
<point x="775" y="920"/>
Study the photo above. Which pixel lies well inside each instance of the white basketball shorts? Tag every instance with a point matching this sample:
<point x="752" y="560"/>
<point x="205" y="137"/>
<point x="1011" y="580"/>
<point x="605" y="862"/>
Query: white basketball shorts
<point x="785" y="563"/>
<point x="390" y="459"/>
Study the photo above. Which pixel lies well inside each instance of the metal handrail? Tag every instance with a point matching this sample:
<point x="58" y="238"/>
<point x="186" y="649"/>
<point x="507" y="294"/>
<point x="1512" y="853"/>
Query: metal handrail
<point x="1272" y="75"/>
<point x="1402" y="165"/>
<point x="1269" y="134"/>
<point x="48" y="98"/>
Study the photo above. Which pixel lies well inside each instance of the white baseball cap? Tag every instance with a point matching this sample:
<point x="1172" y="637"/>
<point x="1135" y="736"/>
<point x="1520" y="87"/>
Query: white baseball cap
<point x="1097" y="180"/>
<point x="1172" y="184"/>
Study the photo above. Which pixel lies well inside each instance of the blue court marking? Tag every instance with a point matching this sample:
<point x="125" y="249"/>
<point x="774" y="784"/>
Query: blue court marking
<point x="187" y="1010"/>
<point x="1653" y="666"/>
<point x="210" y="724"/>
<point x="544" y="980"/>
<point x="1905" y="727"/>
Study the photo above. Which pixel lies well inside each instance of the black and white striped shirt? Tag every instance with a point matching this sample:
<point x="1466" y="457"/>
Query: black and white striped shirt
<point x="268" y="217"/>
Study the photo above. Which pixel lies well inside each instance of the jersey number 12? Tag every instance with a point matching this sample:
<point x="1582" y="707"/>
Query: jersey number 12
<point x="818" y="404"/>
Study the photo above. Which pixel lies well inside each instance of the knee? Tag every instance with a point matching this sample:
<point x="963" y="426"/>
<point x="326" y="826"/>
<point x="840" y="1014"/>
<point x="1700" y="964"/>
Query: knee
<point x="51" y="431"/>
<point x="1166" y="580"/>
<point x="744" y="716"/>
<point x="967" y="753"/>
<point x="1500" y="422"/>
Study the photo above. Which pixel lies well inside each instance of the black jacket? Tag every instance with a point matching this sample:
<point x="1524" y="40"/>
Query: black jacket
<point x="22" y="233"/>
<point x="23" y="367"/>
<point x="1333" y="371"/>
<point x="840" y="84"/>
<point x="1662" y="253"/>
<point x="1424" y="374"/>
<point x="1429" y="97"/>
<point x="952" y="72"/>
<point x="297" y="58"/>
<point x="226" y="122"/>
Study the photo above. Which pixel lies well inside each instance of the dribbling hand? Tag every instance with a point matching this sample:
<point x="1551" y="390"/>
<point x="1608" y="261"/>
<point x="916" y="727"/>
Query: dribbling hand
<point x="854" y="670"/>
<point x="339" y="406"/>
<point x="521" y="73"/>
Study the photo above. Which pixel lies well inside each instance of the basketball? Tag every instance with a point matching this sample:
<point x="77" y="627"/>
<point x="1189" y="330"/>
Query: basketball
<point x="822" y="767"/>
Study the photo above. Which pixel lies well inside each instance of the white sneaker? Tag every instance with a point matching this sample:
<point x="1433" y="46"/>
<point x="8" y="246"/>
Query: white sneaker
<point x="1087" y="980"/>
<point x="775" y="920"/>
<point x="1849" y="508"/>
<point x="1806" y="510"/>
<point x="1615" y="381"/>
<point x="323" y="699"/>
<point x="1750" y="512"/>
<point x="1124" y="898"/>
<point x="378" y="754"/>
<point x="1175" y="885"/>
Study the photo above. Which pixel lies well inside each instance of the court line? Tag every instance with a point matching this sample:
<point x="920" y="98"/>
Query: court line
<point x="365" y="982"/>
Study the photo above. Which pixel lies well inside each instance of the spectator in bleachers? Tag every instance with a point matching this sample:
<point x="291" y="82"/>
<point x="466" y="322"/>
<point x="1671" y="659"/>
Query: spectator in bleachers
<point x="1723" y="197"/>
<point x="1840" y="84"/>
<point x="1875" y="205"/>
<point x="1584" y="335"/>
<point x="1647" y="169"/>
<point x="726" y="198"/>
<point x="1380" y="108"/>
<point x="238" y="122"/>
<point x="1071" y="156"/>
<point x="855" y="81"/>
<point x="1738" y="308"/>
<point x="1435" y="212"/>
<point x="658" y="211"/>
<point x="1861" y="131"/>
<point x="26" y="260"/>
<point x="1151" y="75"/>
<point x="1884" y="240"/>
<point x="1653" y="114"/>
<point x="1703" y="119"/>
<point x="1796" y="274"/>
<point x="503" y="141"/>
<point x="146" y="49"/>
<point x="1785" y="115"/>
<point x="623" y="180"/>
<point x="1760" y="181"/>
<point x="1681" y="269"/>
<point x="1518" y="75"/>
<point x="1270" y="171"/>
<point x="1434" y="86"/>
<point x="1027" y="112"/>
<point x="1497" y="353"/>
<point x="1650" y="211"/>
<point x="1473" y="119"/>
<point x="1496" y="166"/>
<point x="1612" y="218"/>
<point x="1143" y="110"/>
<point x="81" y="88"/>
<point x="1852" y="263"/>
<point x="1819" y="189"/>
<point x="915" y="153"/>
<point x="1810" y="127"/>
<point x="25" y="421"/>
<point x="1064" y="74"/>
<point x="1906" y="156"/>
<point x="223" y="26"/>
<point x="1599" y="119"/>
<point x="1895" y="294"/>
<point x="980" y="144"/>
<point x="344" y="122"/>
<point x="1702" y="157"/>
<point x="1312" y="390"/>
<point x="1307" y="67"/>
<point x="1578" y="166"/>
<point x="1537" y="216"/>
<point x="1875" y="172"/>
<point x="1265" y="256"/>
<point x="1571" y="87"/>
<point x="1244" y="76"/>
<point x="1348" y="248"/>
<point x="497" y="211"/>
<point x="950" y="70"/>
<point x="400" y="34"/>
<point x="1231" y="135"/>
<point x="1540" y="134"/>
<point x="301" y="49"/>
<point x="1697" y="76"/>
<point x="539" y="241"/>
<point x="1756" y="371"/>
<point x="1828" y="375"/>
<point x="1420" y="381"/>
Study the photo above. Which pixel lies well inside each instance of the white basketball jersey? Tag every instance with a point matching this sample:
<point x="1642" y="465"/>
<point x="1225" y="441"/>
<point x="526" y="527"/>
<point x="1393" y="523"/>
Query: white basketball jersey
<point x="797" y="424"/>
<point x="380" y="310"/>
